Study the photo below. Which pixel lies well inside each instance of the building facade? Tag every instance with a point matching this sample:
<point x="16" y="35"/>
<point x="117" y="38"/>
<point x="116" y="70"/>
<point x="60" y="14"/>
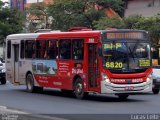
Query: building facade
<point x="38" y="1"/>
<point x="145" y="8"/>
<point x="18" y="4"/>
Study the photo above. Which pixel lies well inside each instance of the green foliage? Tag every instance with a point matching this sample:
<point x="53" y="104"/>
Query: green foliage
<point x="11" y="21"/>
<point x="116" y="5"/>
<point x="105" y="22"/>
<point x="39" y="12"/>
<point x="38" y="9"/>
<point x="131" y="21"/>
<point x="152" y="25"/>
<point x="71" y="13"/>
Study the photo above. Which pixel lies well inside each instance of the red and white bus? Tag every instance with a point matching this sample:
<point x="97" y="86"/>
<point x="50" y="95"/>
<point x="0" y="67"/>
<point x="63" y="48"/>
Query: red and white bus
<point x="102" y="61"/>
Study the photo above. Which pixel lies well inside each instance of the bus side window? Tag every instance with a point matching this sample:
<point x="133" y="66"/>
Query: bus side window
<point x="77" y="49"/>
<point x="52" y="50"/>
<point x="9" y="49"/>
<point x="41" y="49"/>
<point x="65" y="49"/>
<point x="29" y="48"/>
<point x="22" y="49"/>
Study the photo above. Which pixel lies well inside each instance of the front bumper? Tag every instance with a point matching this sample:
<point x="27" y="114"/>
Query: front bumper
<point x="144" y="87"/>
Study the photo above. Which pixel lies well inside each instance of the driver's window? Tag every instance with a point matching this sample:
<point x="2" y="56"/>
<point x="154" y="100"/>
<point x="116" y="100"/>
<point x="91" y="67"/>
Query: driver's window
<point x="141" y="51"/>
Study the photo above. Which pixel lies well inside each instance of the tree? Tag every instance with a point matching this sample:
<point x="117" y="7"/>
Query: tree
<point x="116" y="5"/>
<point x="11" y="21"/>
<point x="131" y="21"/>
<point x="152" y="25"/>
<point x="71" y="13"/>
<point x="37" y="16"/>
<point x="105" y="22"/>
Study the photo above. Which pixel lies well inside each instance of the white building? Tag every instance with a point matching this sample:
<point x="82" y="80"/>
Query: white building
<point x="33" y="1"/>
<point x="145" y="8"/>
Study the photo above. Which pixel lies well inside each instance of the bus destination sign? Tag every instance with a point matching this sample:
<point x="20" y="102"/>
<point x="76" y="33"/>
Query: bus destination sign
<point x="125" y="35"/>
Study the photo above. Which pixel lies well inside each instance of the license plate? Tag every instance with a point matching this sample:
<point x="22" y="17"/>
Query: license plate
<point x="129" y="88"/>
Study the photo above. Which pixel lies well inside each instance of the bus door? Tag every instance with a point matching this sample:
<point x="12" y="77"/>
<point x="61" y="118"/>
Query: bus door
<point x="16" y="63"/>
<point x="92" y="65"/>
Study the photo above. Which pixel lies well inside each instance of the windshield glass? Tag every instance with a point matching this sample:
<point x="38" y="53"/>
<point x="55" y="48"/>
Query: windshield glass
<point x="126" y="55"/>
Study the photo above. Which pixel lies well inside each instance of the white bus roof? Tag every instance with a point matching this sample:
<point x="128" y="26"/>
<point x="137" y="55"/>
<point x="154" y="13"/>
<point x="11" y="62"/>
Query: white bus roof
<point x="23" y="36"/>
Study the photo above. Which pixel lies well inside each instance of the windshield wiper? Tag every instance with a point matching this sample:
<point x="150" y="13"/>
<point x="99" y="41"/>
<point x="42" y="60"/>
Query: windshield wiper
<point x="135" y="46"/>
<point x="131" y="53"/>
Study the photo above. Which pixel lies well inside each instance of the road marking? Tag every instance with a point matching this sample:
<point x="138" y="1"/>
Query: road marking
<point x="5" y="110"/>
<point x="46" y="117"/>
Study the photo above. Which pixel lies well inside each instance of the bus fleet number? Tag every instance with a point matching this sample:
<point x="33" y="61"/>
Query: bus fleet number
<point x="114" y="64"/>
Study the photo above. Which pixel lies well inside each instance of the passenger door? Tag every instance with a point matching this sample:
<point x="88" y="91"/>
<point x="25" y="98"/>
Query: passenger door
<point x="93" y="65"/>
<point x="16" y="62"/>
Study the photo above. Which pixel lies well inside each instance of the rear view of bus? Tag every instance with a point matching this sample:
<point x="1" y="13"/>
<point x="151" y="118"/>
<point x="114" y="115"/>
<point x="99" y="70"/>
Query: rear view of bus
<point x="126" y="62"/>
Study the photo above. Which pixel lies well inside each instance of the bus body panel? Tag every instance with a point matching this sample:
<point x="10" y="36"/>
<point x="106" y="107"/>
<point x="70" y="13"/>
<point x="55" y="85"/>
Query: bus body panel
<point x="60" y="73"/>
<point x="17" y="68"/>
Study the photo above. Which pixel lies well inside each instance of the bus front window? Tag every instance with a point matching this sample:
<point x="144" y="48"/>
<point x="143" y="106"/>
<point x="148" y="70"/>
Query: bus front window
<point x="126" y="56"/>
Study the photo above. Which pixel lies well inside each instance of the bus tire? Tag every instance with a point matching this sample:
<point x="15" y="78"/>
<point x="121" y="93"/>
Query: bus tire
<point x="123" y="96"/>
<point x="30" y="83"/>
<point x="155" y="91"/>
<point x="79" y="89"/>
<point x="3" y="81"/>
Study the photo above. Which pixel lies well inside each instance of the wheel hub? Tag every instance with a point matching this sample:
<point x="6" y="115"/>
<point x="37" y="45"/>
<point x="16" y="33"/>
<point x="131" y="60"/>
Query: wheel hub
<point x="79" y="88"/>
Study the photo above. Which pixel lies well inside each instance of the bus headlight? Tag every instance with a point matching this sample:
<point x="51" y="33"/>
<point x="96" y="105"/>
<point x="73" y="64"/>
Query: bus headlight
<point x="149" y="78"/>
<point x="105" y="78"/>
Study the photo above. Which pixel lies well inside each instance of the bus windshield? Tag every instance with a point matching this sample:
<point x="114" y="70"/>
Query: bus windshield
<point x="126" y="56"/>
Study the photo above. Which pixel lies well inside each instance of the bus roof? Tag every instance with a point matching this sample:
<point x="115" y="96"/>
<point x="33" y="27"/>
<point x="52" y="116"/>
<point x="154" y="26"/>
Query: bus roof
<point x="73" y="34"/>
<point x="23" y="36"/>
<point x="76" y="34"/>
<point x="52" y="35"/>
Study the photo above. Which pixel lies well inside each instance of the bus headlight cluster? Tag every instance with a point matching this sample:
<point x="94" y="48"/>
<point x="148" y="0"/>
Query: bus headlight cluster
<point x="105" y="78"/>
<point x="149" y="78"/>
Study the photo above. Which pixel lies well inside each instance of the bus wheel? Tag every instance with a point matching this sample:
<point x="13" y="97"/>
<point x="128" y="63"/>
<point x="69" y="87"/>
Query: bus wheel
<point x="155" y="91"/>
<point x="123" y="96"/>
<point x="79" y="89"/>
<point x="30" y="83"/>
<point x="3" y="81"/>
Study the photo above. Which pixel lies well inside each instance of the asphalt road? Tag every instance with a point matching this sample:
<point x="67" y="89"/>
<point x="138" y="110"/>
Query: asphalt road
<point x="53" y="103"/>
